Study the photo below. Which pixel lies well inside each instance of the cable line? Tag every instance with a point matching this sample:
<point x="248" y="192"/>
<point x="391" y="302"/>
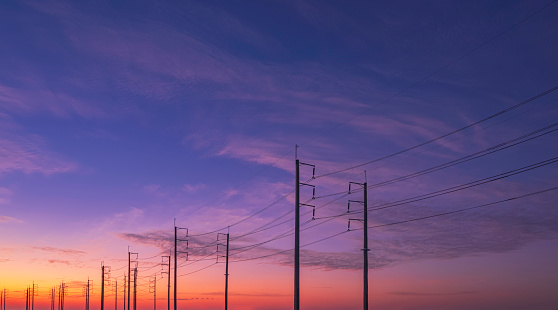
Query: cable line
<point x="445" y="135"/>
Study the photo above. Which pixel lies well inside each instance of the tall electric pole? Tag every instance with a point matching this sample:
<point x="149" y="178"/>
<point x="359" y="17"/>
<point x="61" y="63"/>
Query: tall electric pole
<point x="297" y="227"/>
<point x="176" y="229"/>
<point x="167" y="263"/>
<point x="226" y="268"/>
<point x="365" y="248"/>
<point x="129" y="273"/>
<point x="27" y="298"/>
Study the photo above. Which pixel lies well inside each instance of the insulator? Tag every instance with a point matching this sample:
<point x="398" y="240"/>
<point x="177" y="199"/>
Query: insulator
<point x="314" y="213"/>
<point x="348" y="206"/>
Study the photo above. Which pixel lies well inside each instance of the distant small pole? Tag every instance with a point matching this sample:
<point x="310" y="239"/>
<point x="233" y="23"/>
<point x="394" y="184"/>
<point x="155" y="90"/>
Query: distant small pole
<point x="87" y="296"/>
<point x="102" y="286"/>
<point x="33" y="297"/>
<point x="27" y="298"/>
<point x="124" y="293"/>
<point x="135" y="287"/>
<point x="155" y="293"/>
<point x="115" y="293"/>
<point x="169" y="284"/>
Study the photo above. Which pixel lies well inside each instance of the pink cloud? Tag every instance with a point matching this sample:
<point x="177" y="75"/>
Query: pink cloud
<point x="28" y="155"/>
<point x="38" y="99"/>
<point x="193" y="188"/>
<point x="8" y="219"/>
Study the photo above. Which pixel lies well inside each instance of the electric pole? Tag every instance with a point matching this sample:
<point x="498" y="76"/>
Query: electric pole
<point x="61" y="295"/>
<point x="135" y="286"/>
<point x="153" y="289"/>
<point x="102" y="286"/>
<point x="115" y="294"/>
<point x="86" y="292"/>
<point x="129" y="273"/>
<point x="52" y="297"/>
<point x="105" y="277"/>
<point x="226" y="268"/>
<point x="34" y="292"/>
<point x="176" y="229"/>
<point x="365" y="248"/>
<point x="27" y="298"/>
<point x="297" y="227"/>
<point x="167" y="263"/>
<point x="124" y="293"/>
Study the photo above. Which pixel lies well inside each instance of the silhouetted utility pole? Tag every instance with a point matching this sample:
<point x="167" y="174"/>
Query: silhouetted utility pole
<point x="86" y="292"/>
<point x="135" y="287"/>
<point x="297" y="227"/>
<point x="27" y="298"/>
<point x="3" y="299"/>
<point x="115" y="294"/>
<point x="105" y="276"/>
<point x="365" y="248"/>
<point x="34" y="292"/>
<point x="102" y="286"/>
<point x="124" y="293"/>
<point x="226" y="268"/>
<point x="129" y="273"/>
<point x="52" y="297"/>
<point x="62" y="293"/>
<point x="176" y="229"/>
<point x="153" y="289"/>
<point x="166" y="261"/>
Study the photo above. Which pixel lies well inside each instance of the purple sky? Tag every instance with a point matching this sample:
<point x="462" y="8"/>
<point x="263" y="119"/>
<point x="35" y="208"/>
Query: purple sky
<point x="117" y="117"/>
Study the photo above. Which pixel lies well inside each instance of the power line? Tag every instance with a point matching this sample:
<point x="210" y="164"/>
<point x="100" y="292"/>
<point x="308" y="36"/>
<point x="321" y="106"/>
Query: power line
<point x="447" y="134"/>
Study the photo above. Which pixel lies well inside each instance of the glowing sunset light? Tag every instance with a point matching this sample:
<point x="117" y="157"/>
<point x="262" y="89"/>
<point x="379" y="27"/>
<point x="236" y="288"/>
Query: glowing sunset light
<point x="123" y="122"/>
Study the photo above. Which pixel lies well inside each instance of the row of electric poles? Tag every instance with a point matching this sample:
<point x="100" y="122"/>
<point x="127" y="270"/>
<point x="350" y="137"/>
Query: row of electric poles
<point x="132" y="274"/>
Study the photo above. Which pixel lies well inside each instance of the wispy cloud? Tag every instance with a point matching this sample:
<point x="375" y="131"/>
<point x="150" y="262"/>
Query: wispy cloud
<point x="58" y="250"/>
<point x="406" y="293"/>
<point x="58" y="261"/>
<point x="28" y="153"/>
<point x="8" y="219"/>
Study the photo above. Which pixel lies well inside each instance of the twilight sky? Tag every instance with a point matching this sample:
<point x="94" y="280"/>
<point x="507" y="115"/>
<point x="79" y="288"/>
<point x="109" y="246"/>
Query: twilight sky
<point x="118" y="116"/>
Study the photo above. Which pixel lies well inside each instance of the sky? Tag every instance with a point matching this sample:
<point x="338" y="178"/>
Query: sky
<point x="122" y="119"/>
